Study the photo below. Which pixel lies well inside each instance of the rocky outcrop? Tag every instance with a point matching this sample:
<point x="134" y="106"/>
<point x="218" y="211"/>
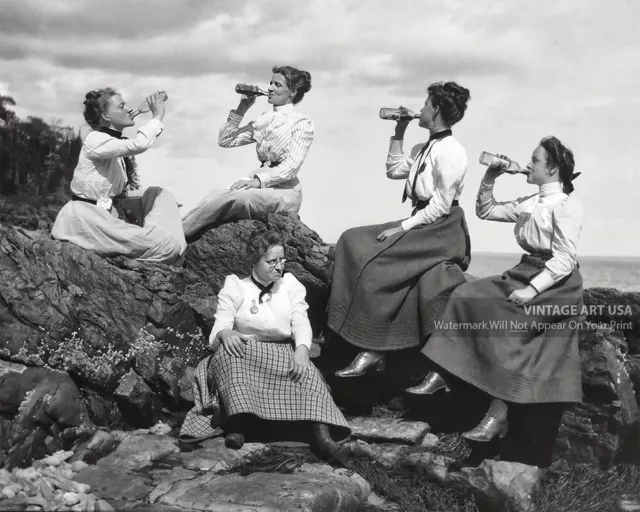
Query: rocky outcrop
<point x="129" y="334"/>
<point x="120" y="337"/>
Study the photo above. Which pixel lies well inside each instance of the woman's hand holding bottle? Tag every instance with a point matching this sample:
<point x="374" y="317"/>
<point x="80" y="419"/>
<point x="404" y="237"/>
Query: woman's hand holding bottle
<point x="246" y="102"/>
<point x="497" y="168"/>
<point x="156" y="104"/>
<point x="402" y="122"/>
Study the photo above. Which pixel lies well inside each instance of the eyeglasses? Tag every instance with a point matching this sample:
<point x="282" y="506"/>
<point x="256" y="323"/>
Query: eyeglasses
<point x="273" y="263"/>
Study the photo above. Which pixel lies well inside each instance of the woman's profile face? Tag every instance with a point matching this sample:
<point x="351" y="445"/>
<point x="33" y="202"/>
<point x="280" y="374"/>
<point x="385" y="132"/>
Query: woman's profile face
<point x="119" y="113"/>
<point x="270" y="266"/>
<point x="426" y="114"/>
<point x="279" y="93"/>
<point x="539" y="173"/>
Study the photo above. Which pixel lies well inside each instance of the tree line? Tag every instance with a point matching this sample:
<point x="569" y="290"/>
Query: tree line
<point x="36" y="158"/>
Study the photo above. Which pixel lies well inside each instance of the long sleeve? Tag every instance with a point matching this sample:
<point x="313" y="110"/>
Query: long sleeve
<point x="487" y="208"/>
<point x="100" y="146"/>
<point x="449" y="171"/>
<point x="567" y="225"/>
<point x="229" y="301"/>
<point x="294" y="155"/>
<point x="300" y="326"/>
<point x="399" y="165"/>
<point x="231" y="135"/>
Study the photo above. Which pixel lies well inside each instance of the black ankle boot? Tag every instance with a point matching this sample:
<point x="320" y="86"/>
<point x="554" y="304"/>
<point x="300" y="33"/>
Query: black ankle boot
<point x="325" y="447"/>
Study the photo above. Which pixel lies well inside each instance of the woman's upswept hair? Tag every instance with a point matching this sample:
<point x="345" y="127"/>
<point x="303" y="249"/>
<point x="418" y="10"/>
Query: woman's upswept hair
<point x="95" y="104"/>
<point x="297" y="80"/>
<point x="560" y="156"/>
<point x="452" y="100"/>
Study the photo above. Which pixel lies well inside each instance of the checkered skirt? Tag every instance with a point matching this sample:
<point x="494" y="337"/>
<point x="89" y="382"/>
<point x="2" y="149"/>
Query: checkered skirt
<point x="259" y="384"/>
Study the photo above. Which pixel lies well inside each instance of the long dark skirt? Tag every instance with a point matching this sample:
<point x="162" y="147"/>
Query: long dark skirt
<point x="259" y="384"/>
<point x="387" y="295"/>
<point x="523" y="354"/>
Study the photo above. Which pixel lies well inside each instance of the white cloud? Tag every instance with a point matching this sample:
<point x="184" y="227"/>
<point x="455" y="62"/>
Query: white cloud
<point x="534" y="68"/>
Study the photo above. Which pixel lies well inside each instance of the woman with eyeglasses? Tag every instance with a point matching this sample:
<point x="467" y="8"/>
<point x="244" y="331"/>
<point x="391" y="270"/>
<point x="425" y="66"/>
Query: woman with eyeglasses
<point x="261" y="340"/>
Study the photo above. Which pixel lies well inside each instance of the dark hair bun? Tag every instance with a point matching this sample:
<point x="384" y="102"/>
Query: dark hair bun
<point x="305" y="82"/>
<point x="452" y="100"/>
<point x="460" y="95"/>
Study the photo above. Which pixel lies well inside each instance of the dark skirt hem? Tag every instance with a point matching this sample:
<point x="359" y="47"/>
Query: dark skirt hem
<point x="503" y="383"/>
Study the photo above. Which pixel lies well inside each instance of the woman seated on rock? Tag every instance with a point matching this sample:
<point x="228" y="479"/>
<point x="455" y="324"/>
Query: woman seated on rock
<point x="256" y="369"/>
<point x="101" y="216"/>
<point x="519" y="354"/>
<point x="283" y="137"/>
<point x="391" y="281"/>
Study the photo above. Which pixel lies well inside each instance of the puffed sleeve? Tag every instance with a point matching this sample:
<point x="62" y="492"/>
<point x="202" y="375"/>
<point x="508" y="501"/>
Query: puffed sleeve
<point x="231" y="135"/>
<point x="100" y="146"/>
<point x="229" y="301"/>
<point x="567" y="224"/>
<point x="399" y="165"/>
<point x="300" y="326"/>
<point x="487" y="208"/>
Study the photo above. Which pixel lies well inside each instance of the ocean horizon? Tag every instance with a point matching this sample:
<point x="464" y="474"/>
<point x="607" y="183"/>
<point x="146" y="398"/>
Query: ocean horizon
<point x="621" y="272"/>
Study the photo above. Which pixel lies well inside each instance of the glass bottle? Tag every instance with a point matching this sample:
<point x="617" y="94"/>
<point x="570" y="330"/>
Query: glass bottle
<point x="393" y="114"/>
<point x="512" y="167"/>
<point x="144" y="106"/>
<point x="250" y="90"/>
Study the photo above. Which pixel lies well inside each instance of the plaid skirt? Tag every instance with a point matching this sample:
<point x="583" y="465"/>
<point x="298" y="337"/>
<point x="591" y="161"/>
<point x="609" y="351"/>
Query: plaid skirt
<point x="387" y="295"/>
<point x="522" y="354"/>
<point x="259" y="384"/>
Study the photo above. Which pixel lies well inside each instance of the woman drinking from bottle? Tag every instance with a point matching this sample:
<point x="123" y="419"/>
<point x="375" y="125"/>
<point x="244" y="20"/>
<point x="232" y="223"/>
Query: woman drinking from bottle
<point x="102" y="215"/>
<point x="282" y="136"/>
<point x="524" y="347"/>
<point x="391" y="281"/>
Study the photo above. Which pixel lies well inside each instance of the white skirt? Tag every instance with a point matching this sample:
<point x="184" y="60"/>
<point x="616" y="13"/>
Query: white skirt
<point x="91" y="227"/>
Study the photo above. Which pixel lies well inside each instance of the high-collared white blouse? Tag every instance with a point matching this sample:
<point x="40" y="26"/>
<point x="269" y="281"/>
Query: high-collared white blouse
<point x="283" y="137"/>
<point x="100" y="172"/>
<point x="441" y="181"/>
<point x="281" y="317"/>
<point x="548" y="223"/>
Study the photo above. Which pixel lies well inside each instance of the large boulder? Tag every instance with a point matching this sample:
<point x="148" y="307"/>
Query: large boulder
<point x="130" y="333"/>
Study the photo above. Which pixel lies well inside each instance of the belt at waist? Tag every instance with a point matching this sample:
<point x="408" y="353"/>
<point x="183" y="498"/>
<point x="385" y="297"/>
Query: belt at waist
<point x="420" y="204"/>
<point x="542" y="257"/>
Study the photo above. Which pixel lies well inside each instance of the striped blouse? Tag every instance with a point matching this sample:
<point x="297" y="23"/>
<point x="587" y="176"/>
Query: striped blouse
<point x="283" y="137"/>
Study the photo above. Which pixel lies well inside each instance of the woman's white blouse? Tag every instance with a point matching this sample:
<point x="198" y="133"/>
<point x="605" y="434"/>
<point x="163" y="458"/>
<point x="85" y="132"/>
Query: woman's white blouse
<point x="282" y="317"/>
<point x="100" y="172"/>
<point x="283" y="137"/>
<point x="441" y="181"/>
<point x="549" y="223"/>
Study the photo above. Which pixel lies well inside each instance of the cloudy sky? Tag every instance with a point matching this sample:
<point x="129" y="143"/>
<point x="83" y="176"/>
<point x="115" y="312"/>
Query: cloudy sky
<point x="549" y="67"/>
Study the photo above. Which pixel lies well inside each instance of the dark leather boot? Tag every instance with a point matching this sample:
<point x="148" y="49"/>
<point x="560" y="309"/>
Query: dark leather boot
<point x="325" y="447"/>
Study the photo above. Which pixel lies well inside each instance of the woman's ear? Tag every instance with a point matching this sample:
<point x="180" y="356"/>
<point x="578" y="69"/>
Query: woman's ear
<point x="105" y="117"/>
<point x="553" y="171"/>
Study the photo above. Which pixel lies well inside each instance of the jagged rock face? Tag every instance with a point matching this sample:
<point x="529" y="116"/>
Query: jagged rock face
<point x="101" y="319"/>
<point x="71" y="309"/>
